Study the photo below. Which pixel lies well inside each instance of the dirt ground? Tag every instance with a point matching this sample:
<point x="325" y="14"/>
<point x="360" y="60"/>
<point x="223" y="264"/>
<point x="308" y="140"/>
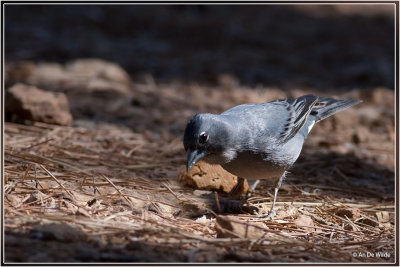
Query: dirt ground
<point x="105" y="187"/>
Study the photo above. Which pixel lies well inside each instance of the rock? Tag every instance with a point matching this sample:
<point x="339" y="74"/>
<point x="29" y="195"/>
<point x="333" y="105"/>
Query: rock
<point x="211" y="177"/>
<point x="94" y="87"/>
<point x="24" y="102"/>
<point x="105" y="88"/>
<point x="83" y="76"/>
<point x="98" y="68"/>
<point x="17" y="71"/>
<point x="51" y="77"/>
<point x="229" y="226"/>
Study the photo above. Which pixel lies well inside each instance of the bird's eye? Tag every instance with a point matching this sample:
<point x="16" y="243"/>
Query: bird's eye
<point x="203" y="137"/>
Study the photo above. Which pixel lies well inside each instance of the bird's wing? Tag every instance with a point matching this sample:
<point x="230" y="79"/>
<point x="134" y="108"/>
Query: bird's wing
<point x="280" y="119"/>
<point x="326" y="107"/>
<point x="298" y="111"/>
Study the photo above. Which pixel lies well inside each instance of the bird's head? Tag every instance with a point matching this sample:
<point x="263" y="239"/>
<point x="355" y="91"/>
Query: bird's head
<point x="206" y="137"/>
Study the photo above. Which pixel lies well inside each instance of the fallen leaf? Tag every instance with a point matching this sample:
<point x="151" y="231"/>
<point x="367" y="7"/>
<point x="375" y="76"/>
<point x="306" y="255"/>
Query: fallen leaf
<point x="229" y="226"/>
<point x="383" y="216"/>
<point x="304" y="221"/>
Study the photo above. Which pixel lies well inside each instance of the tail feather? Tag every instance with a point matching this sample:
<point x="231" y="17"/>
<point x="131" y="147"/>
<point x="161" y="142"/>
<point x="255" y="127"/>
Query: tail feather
<point x="326" y="107"/>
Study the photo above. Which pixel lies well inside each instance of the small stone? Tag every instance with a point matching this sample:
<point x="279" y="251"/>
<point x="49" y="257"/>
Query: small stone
<point x="211" y="177"/>
<point x="98" y="68"/>
<point x="29" y="103"/>
<point x="17" y="71"/>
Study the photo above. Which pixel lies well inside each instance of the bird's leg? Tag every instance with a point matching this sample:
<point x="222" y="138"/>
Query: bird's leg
<point x="254" y="185"/>
<point x="272" y="212"/>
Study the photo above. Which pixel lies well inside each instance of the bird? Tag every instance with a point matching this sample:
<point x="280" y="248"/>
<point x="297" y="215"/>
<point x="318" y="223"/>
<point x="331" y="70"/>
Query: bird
<point x="258" y="141"/>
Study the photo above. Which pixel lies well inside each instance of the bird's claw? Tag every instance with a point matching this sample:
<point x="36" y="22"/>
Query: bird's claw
<point x="269" y="215"/>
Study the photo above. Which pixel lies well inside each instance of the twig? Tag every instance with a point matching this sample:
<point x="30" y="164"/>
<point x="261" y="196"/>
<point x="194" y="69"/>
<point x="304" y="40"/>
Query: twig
<point x="217" y="201"/>
<point x="52" y="176"/>
<point x="26" y="171"/>
<point x="37" y="144"/>
<point x="170" y="190"/>
<point x="119" y="191"/>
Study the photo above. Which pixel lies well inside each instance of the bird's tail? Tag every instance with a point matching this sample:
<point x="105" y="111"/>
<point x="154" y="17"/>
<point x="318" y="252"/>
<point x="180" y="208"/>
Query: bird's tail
<point x="326" y="107"/>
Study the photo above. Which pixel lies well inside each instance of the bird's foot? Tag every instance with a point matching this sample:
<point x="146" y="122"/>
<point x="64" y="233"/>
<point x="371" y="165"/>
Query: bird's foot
<point x="267" y="216"/>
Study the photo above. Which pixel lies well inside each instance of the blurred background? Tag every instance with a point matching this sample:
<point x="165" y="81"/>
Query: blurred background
<point x="97" y="53"/>
<point x="318" y="46"/>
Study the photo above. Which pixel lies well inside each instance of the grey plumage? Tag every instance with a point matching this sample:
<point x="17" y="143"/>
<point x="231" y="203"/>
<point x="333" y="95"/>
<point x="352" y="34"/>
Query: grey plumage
<point x="258" y="141"/>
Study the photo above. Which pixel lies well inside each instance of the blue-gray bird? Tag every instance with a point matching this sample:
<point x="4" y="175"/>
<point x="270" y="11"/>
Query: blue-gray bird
<point x="258" y="141"/>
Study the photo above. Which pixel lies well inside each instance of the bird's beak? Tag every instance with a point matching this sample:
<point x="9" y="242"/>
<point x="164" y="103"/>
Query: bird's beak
<point x="193" y="156"/>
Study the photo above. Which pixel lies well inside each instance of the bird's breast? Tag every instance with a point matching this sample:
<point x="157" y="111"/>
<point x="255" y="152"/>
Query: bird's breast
<point x="254" y="166"/>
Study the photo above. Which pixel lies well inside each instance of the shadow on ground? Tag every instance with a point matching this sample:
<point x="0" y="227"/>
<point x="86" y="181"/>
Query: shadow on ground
<point x="318" y="46"/>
